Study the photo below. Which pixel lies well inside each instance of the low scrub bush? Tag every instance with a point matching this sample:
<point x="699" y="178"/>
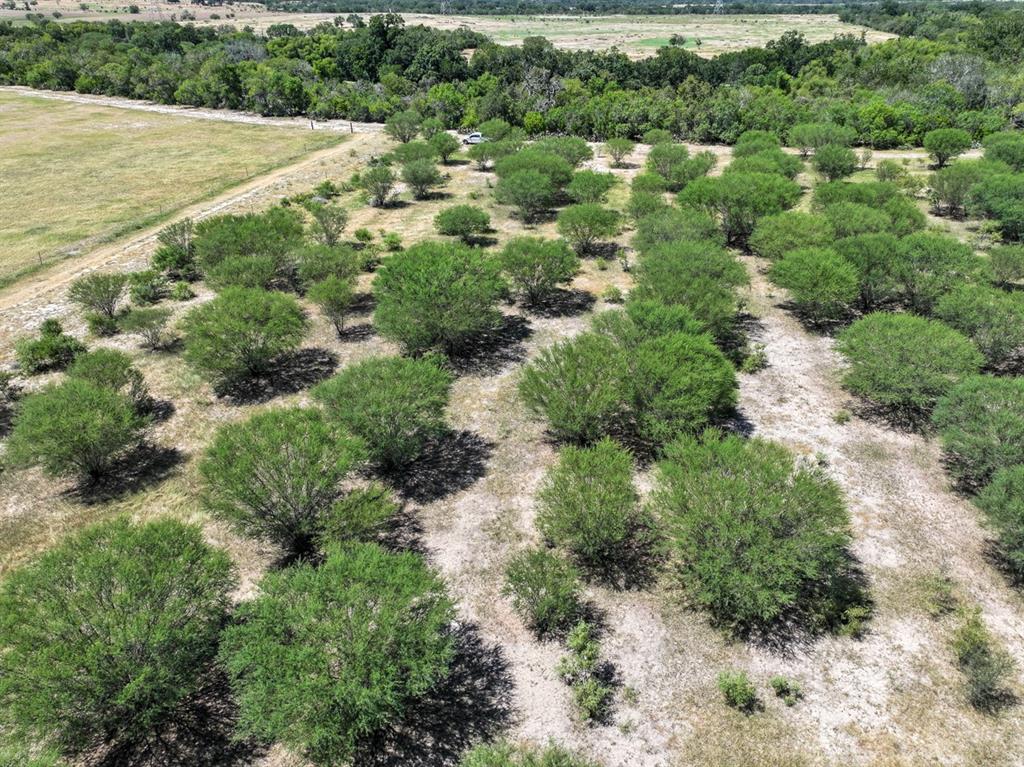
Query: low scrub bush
<point x="530" y="192"/>
<point x="327" y="655"/>
<point x="1002" y="500"/>
<point x="822" y="284"/>
<point x="581" y="670"/>
<point x="273" y="233"/>
<point x="738" y="691"/>
<point x="315" y="263"/>
<point x="507" y="755"/>
<point x="253" y="272"/>
<point x="52" y="350"/>
<point x="105" y="635"/>
<point x="904" y="364"/>
<point x="149" y="323"/>
<point x="755" y="536"/>
<point x="786" y="690"/>
<point x="930" y="265"/>
<point x="536" y="266"/>
<point x="463" y="221"/>
<point x="618" y="149"/>
<point x="740" y="200"/>
<point x="588" y="186"/>
<point x="146" y="287"/>
<point x="334" y="297"/>
<point x="393" y="404"/>
<point x="775" y="236"/>
<point x="876" y="259"/>
<point x="1007" y="147"/>
<point x="986" y="667"/>
<point x="357" y="516"/>
<point x="1007" y="263"/>
<point x="992" y="318"/>
<point x="834" y="162"/>
<point x="379" y="184"/>
<point x="670" y="225"/>
<point x="849" y="219"/>
<point x="943" y="144"/>
<point x="422" y="177"/>
<point x="544" y="589"/>
<point x="112" y="369"/>
<point x="584" y="225"/>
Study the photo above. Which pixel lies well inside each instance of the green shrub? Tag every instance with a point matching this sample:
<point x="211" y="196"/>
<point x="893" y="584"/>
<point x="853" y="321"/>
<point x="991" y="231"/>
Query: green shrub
<point x="738" y="691"/>
<point x="741" y="199"/>
<point x="112" y="369"/>
<point x="573" y="149"/>
<point x="588" y="186"/>
<point x="175" y="253"/>
<point x="849" y="219"/>
<point x="811" y="136"/>
<point x="822" y="284"/>
<point x="951" y="186"/>
<point x="890" y="170"/>
<point x="583" y="225"/>
<point x="774" y="236"/>
<point x="612" y="295"/>
<point x="876" y="259"/>
<point x="904" y="216"/>
<point x="444" y="145"/>
<point x="327" y="655"/>
<point x="1007" y="263"/>
<point x="252" y="272"/>
<point x="986" y="667"/>
<point x="992" y="318"/>
<point x="904" y="364"/>
<point x="329" y="222"/>
<point x="767" y="161"/>
<point x="149" y="323"/>
<point x="182" y="291"/>
<point x="544" y="589"/>
<point x="649" y="181"/>
<point x="642" y="204"/>
<point x="75" y="429"/>
<point x="701" y="276"/>
<point x="275" y="475"/>
<point x="422" y="177"/>
<point x="1000" y="196"/>
<point x="536" y="266"/>
<point x="874" y="194"/>
<point x="834" y="162"/>
<point x="99" y="293"/>
<point x="437" y="296"/>
<point x="393" y="404"/>
<point x="462" y="221"/>
<point x="146" y="287"/>
<point x="932" y="264"/>
<point x="670" y="225"/>
<point x="557" y="169"/>
<point x="656" y="136"/>
<point x="589" y="505"/>
<point x="1002" y="501"/>
<point x="357" y="516"/>
<point x="412" y="152"/>
<point x="1007" y="147"/>
<point x="580" y="670"/>
<point x="618" y="149"/>
<point x="664" y="157"/>
<point x="507" y="755"/>
<point x="404" y="126"/>
<point x="981" y="420"/>
<point x="52" y="350"/>
<point x="754" y="535"/>
<point x="274" y="233"/>
<point x="943" y="144"/>
<point x="786" y="689"/>
<point x="316" y="263"/>
<point x="643" y="320"/>
<point x="241" y="332"/>
<point x="104" y="636"/>
<point x="379" y="183"/>
<point x="334" y="297"/>
<point x="529" y="191"/>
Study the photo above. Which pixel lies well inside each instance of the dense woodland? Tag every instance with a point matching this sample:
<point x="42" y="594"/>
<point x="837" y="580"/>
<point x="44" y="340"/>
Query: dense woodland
<point x="889" y="95"/>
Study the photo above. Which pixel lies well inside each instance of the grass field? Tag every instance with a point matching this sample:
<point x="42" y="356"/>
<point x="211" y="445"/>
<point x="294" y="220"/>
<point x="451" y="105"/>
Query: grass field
<point x="74" y="175"/>
<point x="636" y="35"/>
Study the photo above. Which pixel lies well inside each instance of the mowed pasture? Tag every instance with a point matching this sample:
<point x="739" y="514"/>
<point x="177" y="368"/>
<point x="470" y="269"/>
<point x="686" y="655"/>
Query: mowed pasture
<point x="74" y="175"/>
<point x="638" y="36"/>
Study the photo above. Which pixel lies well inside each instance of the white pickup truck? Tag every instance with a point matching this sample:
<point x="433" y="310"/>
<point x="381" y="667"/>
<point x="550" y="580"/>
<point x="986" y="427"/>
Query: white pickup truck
<point x="474" y="138"/>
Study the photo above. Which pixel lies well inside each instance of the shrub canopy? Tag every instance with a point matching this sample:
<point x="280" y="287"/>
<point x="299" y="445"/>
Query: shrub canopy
<point x="536" y="266"/>
<point x="822" y="284"/>
<point x="739" y="200"/>
<point x="774" y="236"/>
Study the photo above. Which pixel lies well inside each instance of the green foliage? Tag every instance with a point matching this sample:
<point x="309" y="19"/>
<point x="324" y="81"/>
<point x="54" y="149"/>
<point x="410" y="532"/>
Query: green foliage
<point x="701" y="276"/>
<point x="175" y="254"/>
<point x="876" y="259"/>
<point x="544" y="589"/>
<point x="315" y="263"/>
<point x="463" y="221"/>
<point x="241" y="332"/>
<point x="357" y="516"/>
<point x="507" y="755"/>
<point x="437" y="296"/>
<point x="774" y="236"/>
<point x="583" y="225"/>
<point x="618" y="149"/>
<point x="378" y="182"/>
<point x="146" y="287"/>
<point x="75" y="429"/>
<point x="99" y="293"/>
<point x="649" y="181"/>
<point x="422" y="177"/>
<point x="849" y="219"/>
<point x="905" y="217"/>
<point x="275" y="475"/>
<point x="986" y="667"/>
<point x="393" y="404"/>
<point x="403" y="126"/>
<point x="943" y="144"/>
<point x="273" y="233"/>
<point x="580" y="670"/>
<point x="1007" y="263"/>
<point x="1000" y="196"/>
<point x="328" y="655"/>
<point x="741" y="199"/>
<point x="536" y="266"/>
<point x="557" y="169"/>
<point x="411" y="152"/>
<point x="105" y="635"/>
<point x="589" y="505"/>
<point x="981" y="421"/>
<point x="808" y="137"/>
<point x="786" y="689"/>
<point x="573" y="149"/>
<point x="529" y="191"/>
<point x="52" y="350"/>
<point x="767" y="161"/>
<point x="932" y="264"/>
<point x="755" y="537"/>
<point x="753" y="142"/>
<point x="657" y="136"/>
<point x="643" y="320"/>
<point x="1007" y="147"/>
<point x="738" y="691"/>
<point x="444" y="145"/>
<point x="1002" y="500"/>
<point x="589" y="186"/>
<point x="334" y="297"/>
<point x="149" y="323"/>
<point x="673" y="163"/>
<point x="670" y="225"/>
<point x="329" y="222"/>
<point x="822" y="284"/>
<point x="182" y="291"/>
<point x="834" y="162"/>
<point x="253" y="272"/>
<point x="951" y="186"/>
<point x="904" y="364"/>
<point x="992" y="318"/>
<point x="874" y="194"/>
<point x="643" y="204"/>
<point x="111" y="369"/>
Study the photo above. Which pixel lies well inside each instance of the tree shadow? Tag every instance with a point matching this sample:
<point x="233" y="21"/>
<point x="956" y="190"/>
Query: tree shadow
<point x="6" y="419"/>
<point x="362" y="303"/>
<point x="354" y="334"/>
<point x="449" y="463"/>
<point x="490" y="352"/>
<point x="817" y="325"/>
<point x="288" y="374"/>
<point x="145" y="466"/>
<point x="159" y="410"/>
<point x="481" y="240"/>
<point x="403" y="532"/>
<point x="202" y="732"/>
<point x="603" y="250"/>
<point x="562" y="303"/>
<point x="472" y="704"/>
<point x="911" y="420"/>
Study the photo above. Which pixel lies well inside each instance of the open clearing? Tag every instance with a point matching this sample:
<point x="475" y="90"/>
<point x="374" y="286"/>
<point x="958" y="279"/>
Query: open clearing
<point x="636" y="35"/>
<point x="76" y="174"/>
<point x="891" y="699"/>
